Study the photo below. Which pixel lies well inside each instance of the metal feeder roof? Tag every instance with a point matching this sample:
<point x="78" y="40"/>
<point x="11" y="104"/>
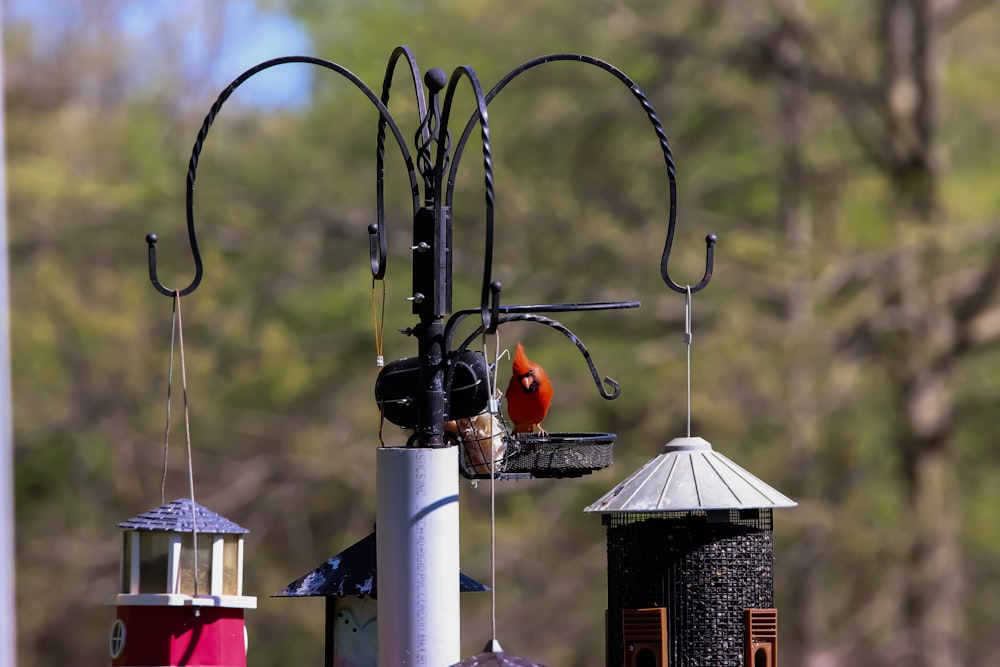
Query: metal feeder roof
<point x="352" y="572"/>
<point x="176" y="517"/>
<point x="689" y="476"/>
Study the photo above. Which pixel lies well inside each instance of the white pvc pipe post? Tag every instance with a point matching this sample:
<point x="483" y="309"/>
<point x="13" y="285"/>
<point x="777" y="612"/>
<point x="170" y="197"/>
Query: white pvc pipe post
<point x="418" y="568"/>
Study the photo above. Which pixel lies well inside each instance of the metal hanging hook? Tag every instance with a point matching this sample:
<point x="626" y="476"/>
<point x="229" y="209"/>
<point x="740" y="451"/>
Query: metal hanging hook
<point x="613" y="389"/>
<point x="654" y="120"/>
<point x="710" y="242"/>
<point x="151" y="240"/>
<point x="377" y="232"/>
<point x="377" y="243"/>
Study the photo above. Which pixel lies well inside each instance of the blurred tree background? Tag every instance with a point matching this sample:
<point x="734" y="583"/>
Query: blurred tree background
<point x="845" y="351"/>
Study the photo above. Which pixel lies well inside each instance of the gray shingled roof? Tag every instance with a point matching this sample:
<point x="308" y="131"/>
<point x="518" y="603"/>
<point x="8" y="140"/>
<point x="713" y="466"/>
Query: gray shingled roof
<point x="176" y="517"/>
<point x="688" y="475"/>
<point x="352" y="572"/>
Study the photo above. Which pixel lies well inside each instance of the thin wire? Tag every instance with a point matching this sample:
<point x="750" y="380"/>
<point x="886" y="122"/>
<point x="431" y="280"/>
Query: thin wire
<point x="491" y="381"/>
<point x="187" y="433"/>
<point x="170" y="382"/>
<point x="687" y="342"/>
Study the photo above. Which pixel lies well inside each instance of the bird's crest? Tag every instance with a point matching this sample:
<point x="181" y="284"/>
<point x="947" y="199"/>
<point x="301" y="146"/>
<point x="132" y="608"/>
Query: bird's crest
<point x="521" y="363"/>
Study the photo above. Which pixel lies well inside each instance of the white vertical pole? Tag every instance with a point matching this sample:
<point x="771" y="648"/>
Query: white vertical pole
<point x="8" y="641"/>
<point x="418" y="569"/>
<point x="239" y="566"/>
<point x="215" y="569"/>
<point x="135" y="539"/>
<point x="174" y="548"/>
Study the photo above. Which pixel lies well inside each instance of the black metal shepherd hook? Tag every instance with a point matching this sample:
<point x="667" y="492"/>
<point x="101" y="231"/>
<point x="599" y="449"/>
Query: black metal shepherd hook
<point x="433" y="172"/>
<point x="378" y="248"/>
<point x="490" y="295"/>
<point x="661" y="136"/>
<point x="436" y="164"/>
<point x="377" y="242"/>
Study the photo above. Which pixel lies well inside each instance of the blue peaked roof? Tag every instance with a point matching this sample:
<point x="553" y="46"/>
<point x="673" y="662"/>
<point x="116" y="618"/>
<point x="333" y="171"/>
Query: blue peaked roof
<point x="351" y="572"/>
<point x="176" y="517"/>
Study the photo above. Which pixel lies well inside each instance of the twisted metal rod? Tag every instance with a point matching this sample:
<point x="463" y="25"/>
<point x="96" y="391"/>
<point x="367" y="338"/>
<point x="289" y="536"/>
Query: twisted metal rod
<point x="490" y="296"/>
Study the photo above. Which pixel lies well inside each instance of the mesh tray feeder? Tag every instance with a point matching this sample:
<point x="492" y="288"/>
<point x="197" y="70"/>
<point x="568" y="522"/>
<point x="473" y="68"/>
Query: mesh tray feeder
<point x="529" y="455"/>
<point x="561" y="454"/>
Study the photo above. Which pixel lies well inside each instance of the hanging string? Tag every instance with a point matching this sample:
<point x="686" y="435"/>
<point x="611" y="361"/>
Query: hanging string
<point x="170" y="381"/>
<point x="687" y="342"/>
<point x="494" y="409"/>
<point x="378" y="320"/>
<point x="187" y="437"/>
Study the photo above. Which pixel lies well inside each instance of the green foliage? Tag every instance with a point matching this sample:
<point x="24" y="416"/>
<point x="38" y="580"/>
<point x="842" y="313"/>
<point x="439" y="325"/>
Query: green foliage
<point x="279" y="338"/>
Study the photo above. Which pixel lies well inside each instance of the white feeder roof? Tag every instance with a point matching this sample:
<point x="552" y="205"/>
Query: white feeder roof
<point x="688" y="476"/>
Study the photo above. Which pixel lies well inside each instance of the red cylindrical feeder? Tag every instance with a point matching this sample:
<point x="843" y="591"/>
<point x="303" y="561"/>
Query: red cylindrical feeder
<point x="181" y="597"/>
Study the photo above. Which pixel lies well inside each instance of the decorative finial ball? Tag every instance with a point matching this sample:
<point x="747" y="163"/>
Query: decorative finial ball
<point x="435" y="79"/>
<point x="711" y="240"/>
<point x="151" y="239"/>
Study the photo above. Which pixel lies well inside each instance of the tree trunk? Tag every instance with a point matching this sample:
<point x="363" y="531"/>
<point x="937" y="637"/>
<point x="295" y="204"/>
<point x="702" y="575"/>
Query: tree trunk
<point x="920" y="344"/>
<point x="804" y="627"/>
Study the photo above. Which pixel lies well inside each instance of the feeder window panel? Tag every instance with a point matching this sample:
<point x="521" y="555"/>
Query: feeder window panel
<point x="230" y="564"/>
<point x="154" y="548"/>
<point x="117" y="642"/>
<point x="187" y="574"/>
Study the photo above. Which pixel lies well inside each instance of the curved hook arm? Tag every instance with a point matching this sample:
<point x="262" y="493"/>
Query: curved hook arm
<point x="203" y="133"/>
<point x="490" y="298"/>
<point x="657" y="128"/>
<point x="615" y="388"/>
<point x="377" y="242"/>
<point x="411" y="60"/>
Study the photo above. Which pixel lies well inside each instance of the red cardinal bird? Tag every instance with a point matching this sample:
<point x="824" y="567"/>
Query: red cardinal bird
<point x="528" y="394"/>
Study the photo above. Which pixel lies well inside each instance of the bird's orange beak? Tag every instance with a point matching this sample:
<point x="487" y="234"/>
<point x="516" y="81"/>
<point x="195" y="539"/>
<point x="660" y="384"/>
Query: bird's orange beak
<point x="526" y="382"/>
